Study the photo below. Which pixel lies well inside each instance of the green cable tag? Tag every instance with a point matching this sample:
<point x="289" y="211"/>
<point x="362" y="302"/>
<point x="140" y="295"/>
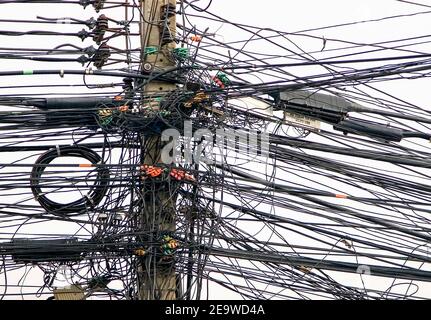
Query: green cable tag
<point x="27" y="72"/>
<point x="181" y="53"/>
<point x="151" y="50"/>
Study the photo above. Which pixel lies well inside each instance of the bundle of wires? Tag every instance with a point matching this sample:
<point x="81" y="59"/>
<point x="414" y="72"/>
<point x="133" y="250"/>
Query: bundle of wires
<point x="330" y="202"/>
<point x="90" y="200"/>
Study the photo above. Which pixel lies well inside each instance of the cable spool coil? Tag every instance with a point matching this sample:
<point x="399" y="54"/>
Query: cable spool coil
<point x="95" y="194"/>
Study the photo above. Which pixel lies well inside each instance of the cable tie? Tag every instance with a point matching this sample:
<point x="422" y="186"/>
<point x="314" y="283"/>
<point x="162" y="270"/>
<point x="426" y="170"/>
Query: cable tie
<point x="58" y="150"/>
<point x="62" y="73"/>
<point x="63" y="21"/>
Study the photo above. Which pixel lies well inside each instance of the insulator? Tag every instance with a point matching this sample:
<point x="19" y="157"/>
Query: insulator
<point x="166" y="35"/>
<point x="102" y="55"/>
<point x="99" y="30"/>
<point x="167" y="11"/>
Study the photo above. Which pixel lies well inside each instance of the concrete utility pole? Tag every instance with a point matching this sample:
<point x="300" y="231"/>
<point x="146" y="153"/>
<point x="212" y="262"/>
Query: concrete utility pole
<point x="157" y="28"/>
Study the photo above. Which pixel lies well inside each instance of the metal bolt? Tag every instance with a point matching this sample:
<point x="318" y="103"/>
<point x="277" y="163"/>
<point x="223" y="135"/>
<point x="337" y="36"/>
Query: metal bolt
<point x="148" y="67"/>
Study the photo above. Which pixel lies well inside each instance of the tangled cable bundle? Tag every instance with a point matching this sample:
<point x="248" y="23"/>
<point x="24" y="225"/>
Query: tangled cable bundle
<point x="301" y="170"/>
<point x="90" y="200"/>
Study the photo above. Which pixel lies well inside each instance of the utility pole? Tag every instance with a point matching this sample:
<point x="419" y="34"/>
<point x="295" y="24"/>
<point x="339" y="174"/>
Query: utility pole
<point x="156" y="281"/>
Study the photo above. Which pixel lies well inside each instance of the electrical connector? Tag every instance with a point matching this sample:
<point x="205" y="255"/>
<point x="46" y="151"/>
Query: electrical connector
<point x="98" y="4"/>
<point x="83" y="34"/>
<point x="99" y="30"/>
<point x="101" y="56"/>
<point x="181" y="53"/>
<point x="151" y="50"/>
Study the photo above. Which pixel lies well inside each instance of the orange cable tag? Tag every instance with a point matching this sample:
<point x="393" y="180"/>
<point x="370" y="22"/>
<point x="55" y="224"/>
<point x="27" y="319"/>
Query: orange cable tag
<point x="341" y="196"/>
<point x="85" y="165"/>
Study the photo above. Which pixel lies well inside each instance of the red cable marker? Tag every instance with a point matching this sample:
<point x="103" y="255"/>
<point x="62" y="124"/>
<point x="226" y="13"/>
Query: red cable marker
<point x="196" y="38"/>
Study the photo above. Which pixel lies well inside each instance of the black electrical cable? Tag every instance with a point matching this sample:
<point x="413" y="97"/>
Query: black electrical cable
<point x="95" y="194"/>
